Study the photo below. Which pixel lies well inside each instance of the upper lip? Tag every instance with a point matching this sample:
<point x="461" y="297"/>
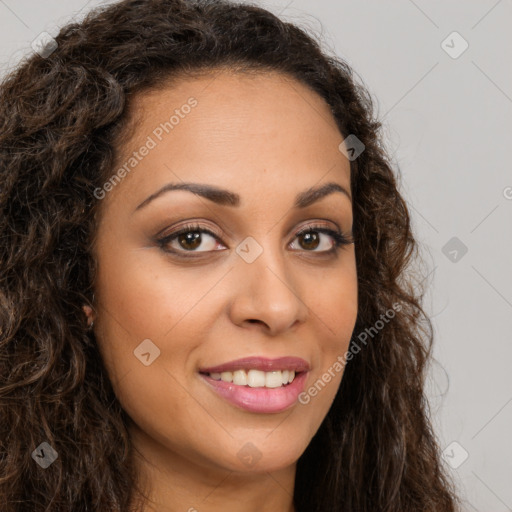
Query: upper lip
<point x="264" y="364"/>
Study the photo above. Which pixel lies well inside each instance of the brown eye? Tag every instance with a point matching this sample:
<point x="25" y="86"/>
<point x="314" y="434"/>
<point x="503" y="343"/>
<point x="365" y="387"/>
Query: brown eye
<point x="311" y="240"/>
<point x="192" y="239"/>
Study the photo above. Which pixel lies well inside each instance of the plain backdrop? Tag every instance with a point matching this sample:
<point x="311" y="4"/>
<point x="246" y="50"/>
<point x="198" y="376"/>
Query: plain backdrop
<point x="441" y="78"/>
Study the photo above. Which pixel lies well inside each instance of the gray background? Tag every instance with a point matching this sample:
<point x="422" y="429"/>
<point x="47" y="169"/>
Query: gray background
<point x="447" y="122"/>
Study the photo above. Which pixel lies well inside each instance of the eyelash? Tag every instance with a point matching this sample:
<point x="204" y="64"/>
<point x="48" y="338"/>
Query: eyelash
<point x="339" y="238"/>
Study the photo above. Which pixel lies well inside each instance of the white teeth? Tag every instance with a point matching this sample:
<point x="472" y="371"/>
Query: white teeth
<point x="240" y="378"/>
<point x="226" y="376"/>
<point x="273" y="380"/>
<point x="256" y="378"/>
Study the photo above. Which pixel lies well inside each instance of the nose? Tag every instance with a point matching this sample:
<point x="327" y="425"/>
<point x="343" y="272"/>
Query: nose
<point x="266" y="293"/>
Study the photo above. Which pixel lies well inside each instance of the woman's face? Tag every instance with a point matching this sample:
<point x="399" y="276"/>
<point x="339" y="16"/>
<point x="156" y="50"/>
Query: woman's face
<point x="174" y="311"/>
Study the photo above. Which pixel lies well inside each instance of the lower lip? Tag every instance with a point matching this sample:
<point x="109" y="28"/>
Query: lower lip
<point x="260" y="400"/>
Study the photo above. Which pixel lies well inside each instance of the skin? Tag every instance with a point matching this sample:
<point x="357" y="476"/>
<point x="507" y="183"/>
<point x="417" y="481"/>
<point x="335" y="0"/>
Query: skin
<point x="267" y="138"/>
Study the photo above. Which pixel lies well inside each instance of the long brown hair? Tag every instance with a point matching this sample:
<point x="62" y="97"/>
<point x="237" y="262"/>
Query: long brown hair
<point x="61" y="117"/>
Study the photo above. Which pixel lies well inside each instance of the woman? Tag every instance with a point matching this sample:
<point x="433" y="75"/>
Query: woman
<point x="204" y="297"/>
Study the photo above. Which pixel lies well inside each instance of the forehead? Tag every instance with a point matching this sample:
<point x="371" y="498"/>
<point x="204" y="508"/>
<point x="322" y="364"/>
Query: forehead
<point x="235" y="104"/>
<point x="249" y="130"/>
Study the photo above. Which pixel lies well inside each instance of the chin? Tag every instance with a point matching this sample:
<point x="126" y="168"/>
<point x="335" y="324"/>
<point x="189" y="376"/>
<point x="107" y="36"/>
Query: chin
<point x="264" y="457"/>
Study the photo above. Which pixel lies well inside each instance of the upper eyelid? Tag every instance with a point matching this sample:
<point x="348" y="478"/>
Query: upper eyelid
<point x="200" y="224"/>
<point x="196" y="226"/>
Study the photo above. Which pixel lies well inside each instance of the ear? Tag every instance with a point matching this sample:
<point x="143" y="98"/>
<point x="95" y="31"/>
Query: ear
<point x="89" y="313"/>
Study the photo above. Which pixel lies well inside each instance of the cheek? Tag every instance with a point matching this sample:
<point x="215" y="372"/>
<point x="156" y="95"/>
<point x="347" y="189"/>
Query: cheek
<point x="333" y="304"/>
<point x="138" y="298"/>
<point x="335" y="308"/>
<point x="133" y="306"/>
<point x="146" y="307"/>
<point x="139" y="301"/>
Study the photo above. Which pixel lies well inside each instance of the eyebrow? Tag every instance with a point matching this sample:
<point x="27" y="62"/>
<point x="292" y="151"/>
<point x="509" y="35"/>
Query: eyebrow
<point x="227" y="198"/>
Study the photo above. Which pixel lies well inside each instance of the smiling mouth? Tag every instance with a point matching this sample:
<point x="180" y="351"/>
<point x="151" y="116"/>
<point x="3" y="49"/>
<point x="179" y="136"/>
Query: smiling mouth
<point x="256" y="378"/>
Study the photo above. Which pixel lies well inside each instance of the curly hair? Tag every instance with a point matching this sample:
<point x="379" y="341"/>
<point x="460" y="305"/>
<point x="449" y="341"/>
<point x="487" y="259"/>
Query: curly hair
<point x="62" y="118"/>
